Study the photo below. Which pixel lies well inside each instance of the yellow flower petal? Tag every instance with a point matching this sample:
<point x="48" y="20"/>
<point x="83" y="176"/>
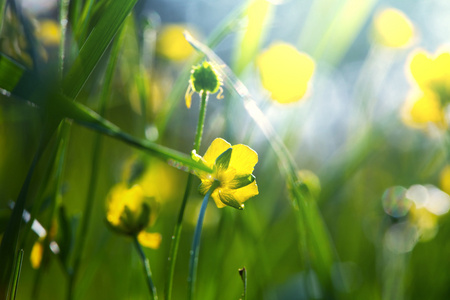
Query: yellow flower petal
<point x="392" y="28"/>
<point x="243" y="194"/>
<point x="285" y="72"/>
<point x="216" y="198"/>
<point x="36" y="254"/>
<point x="421" y="67"/>
<point x="441" y="68"/>
<point x="149" y="240"/>
<point x="243" y="159"/>
<point x="49" y="32"/>
<point x="171" y="43"/>
<point x="427" y="109"/>
<point x="217" y="147"/>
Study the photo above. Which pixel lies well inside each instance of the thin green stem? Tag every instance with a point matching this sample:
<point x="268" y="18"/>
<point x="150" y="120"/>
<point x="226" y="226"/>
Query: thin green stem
<point x="177" y="231"/>
<point x="147" y="271"/>
<point x="196" y="242"/>
<point x="58" y="171"/>
<point x="243" y="274"/>
<point x="17" y="271"/>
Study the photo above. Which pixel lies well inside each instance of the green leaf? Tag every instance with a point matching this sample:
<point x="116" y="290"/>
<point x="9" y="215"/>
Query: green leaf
<point x="223" y="160"/>
<point x="241" y="181"/>
<point x="96" y="44"/>
<point x="229" y="200"/>
<point x="10" y="72"/>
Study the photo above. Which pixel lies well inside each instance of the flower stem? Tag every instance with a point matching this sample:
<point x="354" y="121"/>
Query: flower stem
<point x="196" y="242"/>
<point x="147" y="271"/>
<point x="201" y="121"/>
<point x="177" y="231"/>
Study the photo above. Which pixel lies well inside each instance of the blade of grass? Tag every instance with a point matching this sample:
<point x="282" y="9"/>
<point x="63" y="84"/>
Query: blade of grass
<point x="316" y="243"/>
<point x="95" y="167"/>
<point x="96" y="44"/>
<point x="10" y="238"/>
<point x="243" y="274"/>
<point x="17" y="270"/>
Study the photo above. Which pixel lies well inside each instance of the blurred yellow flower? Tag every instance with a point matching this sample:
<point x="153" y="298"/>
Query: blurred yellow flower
<point x="171" y="43"/>
<point x="149" y="240"/>
<point x="425" y="221"/>
<point x="392" y="28"/>
<point x="232" y="170"/>
<point x="36" y="254"/>
<point x="129" y="211"/>
<point x="422" y="109"/>
<point x="431" y="75"/>
<point x="49" y="32"/>
<point x="285" y="72"/>
<point x="204" y="79"/>
<point x="432" y="72"/>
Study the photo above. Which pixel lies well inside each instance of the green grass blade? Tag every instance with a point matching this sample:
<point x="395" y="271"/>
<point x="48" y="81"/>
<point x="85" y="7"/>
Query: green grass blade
<point x="316" y="243"/>
<point x="96" y="44"/>
<point x="90" y="119"/>
<point x="17" y="270"/>
<point x="10" y="238"/>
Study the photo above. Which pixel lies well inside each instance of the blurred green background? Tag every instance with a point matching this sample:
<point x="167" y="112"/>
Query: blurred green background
<point x="347" y="130"/>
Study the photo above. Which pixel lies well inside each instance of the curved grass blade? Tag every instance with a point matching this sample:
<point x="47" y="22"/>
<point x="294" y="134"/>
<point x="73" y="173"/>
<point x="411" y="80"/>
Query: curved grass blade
<point x="315" y="241"/>
<point x="17" y="271"/>
<point x="96" y="44"/>
<point x="10" y="238"/>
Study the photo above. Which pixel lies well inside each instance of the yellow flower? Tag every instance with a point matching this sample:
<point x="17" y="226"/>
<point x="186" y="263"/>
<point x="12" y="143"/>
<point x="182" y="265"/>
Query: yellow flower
<point x="36" y="254"/>
<point x="49" y="32"/>
<point x="204" y="79"/>
<point x="422" y="109"/>
<point x="129" y="212"/>
<point x="432" y="72"/>
<point x="171" y="43"/>
<point x="392" y="28"/>
<point x="232" y="171"/>
<point x="431" y="75"/>
<point x="285" y="72"/>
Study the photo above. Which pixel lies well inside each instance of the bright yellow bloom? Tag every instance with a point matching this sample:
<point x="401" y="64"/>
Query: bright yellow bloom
<point x="204" y="79"/>
<point x="49" y="32"/>
<point x="36" y="254"/>
<point x="392" y="28"/>
<point x="149" y="240"/>
<point x="171" y="43"/>
<point x="129" y="212"/>
<point x="285" y="72"/>
<point x="423" y="109"/>
<point x="431" y="74"/>
<point x="232" y="170"/>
